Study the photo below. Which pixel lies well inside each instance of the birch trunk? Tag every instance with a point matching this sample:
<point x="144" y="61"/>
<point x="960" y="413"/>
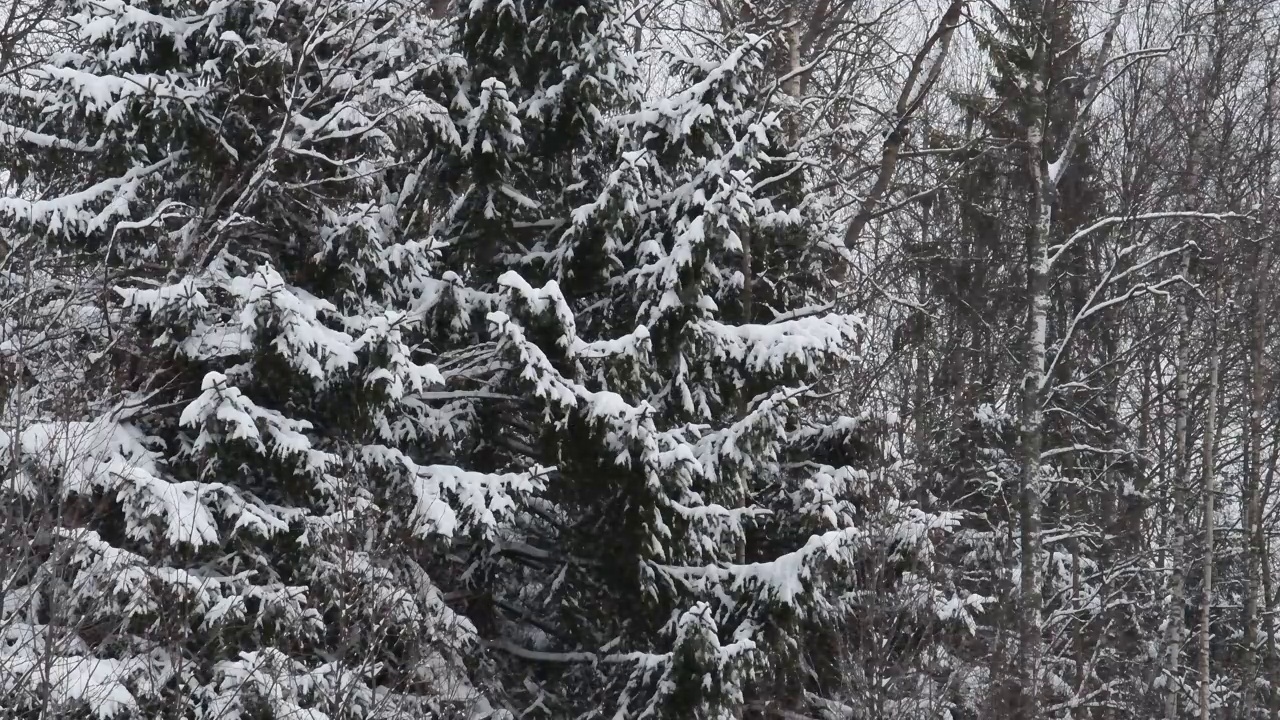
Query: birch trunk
<point x="1178" y="513"/>
<point x="1045" y="178"/>
<point x="1209" y="470"/>
<point x="1252" y="507"/>
<point x="1032" y="425"/>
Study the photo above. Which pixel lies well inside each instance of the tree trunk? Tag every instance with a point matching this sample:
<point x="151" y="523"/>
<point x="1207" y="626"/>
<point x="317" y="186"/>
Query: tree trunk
<point x="1032" y="425"/>
<point x="1252" y="515"/>
<point x="1208" y="469"/>
<point x="1178" y="513"/>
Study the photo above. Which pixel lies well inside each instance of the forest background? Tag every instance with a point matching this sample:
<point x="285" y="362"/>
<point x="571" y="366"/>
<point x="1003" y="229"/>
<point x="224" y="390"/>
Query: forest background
<point x="828" y="359"/>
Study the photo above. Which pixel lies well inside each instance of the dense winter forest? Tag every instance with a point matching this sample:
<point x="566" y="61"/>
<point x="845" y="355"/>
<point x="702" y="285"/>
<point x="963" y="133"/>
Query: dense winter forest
<point x="650" y="359"/>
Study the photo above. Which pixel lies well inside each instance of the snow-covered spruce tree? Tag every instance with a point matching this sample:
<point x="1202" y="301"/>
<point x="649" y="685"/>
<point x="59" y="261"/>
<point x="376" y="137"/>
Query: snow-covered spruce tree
<point x="699" y="527"/>
<point x="541" y="79"/>
<point x="239" y="528"/>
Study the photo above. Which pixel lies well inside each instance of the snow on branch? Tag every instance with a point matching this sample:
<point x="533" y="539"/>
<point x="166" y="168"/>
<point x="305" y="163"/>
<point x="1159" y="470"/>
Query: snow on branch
<point x="780" y="345"/>
<point x="72" y="212"/>
<point x="1058" y="250"/>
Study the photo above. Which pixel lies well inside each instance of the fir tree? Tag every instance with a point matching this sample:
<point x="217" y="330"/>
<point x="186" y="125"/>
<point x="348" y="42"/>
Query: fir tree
<point x="245" y="177"/>
<point x="686" y="541"/>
